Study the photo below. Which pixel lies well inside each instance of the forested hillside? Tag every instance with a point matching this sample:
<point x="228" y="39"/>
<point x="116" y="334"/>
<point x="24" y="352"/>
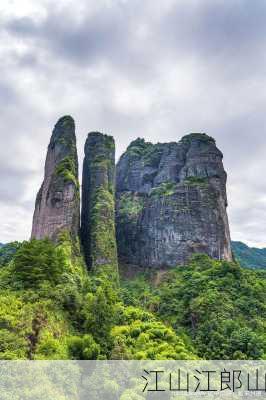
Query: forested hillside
<point x="52" y="308"/>
<point x="220" y="306"/>
<point x="250" y="257"/>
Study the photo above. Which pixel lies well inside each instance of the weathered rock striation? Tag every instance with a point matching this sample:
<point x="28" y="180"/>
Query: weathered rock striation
<point x="57" y="207"/>
<point x="171" y="202"/>
<point x="98" y="210"/>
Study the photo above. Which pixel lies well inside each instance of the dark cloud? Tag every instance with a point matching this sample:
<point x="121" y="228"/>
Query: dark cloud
<point x="217" y="30"/>
<point x="83" y="41"/>
<point x="131" y="68"/>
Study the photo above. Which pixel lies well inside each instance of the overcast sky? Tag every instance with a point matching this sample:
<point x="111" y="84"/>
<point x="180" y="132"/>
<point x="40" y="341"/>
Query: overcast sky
<point x="134" y="68"/>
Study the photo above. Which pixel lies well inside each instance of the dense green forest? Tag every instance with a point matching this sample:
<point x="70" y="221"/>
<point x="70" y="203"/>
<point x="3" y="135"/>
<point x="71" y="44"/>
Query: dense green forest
<point x="52" y="308"/>
<point x="220" y="306"/>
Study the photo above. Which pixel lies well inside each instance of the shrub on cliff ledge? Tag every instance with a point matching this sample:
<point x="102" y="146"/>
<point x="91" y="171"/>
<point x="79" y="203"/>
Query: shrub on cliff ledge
<point x="130" y="205"/>
<point x="164" y="189"/>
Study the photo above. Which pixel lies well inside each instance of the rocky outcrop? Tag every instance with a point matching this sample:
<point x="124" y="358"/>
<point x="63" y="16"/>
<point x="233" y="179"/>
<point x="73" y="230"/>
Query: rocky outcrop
<point x="97" y="215"/>
<point x="171" y="202"/>
<point x="57" y="207"/>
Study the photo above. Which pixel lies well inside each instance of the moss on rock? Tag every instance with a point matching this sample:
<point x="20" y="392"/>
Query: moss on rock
<point x="196" y="180"/>
<point x="98" y="209"/>
<point x="164" y="189"/>
<point x="203" y="137"/>
<point x="67" y="169"/>
<point x="130" y="205"/>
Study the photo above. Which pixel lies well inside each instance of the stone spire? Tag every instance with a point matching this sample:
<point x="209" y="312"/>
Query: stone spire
<point x="171" y="202"/>
<point x="97" y="215"/>
<point x="57" y="207"/>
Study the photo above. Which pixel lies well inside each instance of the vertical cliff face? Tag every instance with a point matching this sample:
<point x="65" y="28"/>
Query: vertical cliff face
<point x="57" y="207"/>
<point x="171" y="202"/>
<point x="97" y="215"/>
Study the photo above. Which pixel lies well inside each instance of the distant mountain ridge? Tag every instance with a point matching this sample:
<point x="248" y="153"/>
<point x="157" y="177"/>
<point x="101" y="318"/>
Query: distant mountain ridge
<point x="7" y="251"/>
<point x="249" y="257"/>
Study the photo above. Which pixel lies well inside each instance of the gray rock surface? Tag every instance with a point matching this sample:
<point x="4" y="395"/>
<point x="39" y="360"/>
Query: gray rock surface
<point x="171" y="202"/>
<point x="57" y="207"/>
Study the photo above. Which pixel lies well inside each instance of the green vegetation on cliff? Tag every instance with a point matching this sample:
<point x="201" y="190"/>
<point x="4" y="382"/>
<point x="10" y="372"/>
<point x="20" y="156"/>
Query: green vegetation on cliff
<point x="139" y="147"/>
<point x="67" y="169"/>
<point x="98" y="208"/>
<point x="103" y="252"/>
<point x="203" y="137"/>
<point x="130" y="205"/>
<point x="164" y="189"/>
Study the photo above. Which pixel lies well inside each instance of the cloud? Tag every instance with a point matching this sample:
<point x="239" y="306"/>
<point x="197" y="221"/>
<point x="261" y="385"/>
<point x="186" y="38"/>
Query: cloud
<point x="131" y="68"/>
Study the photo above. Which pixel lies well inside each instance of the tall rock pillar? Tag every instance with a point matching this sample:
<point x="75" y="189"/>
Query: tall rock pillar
<point x="57" y="207"/>
<point x="98" y="215"/>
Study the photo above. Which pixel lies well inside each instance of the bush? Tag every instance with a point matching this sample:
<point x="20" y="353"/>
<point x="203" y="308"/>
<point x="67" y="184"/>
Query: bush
<point x="37" y="261"/>
<point x="83" y="347"/>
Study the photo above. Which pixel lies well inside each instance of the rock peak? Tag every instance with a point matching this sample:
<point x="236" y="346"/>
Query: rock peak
<point x="198" y="136"/>
<point x="171" y="202"/>
<point x="65" y="119"/>
<point x="57" y="202"/>
<point x="97" y="214"/>
<point x="64" y="131"/>
<point x="100" y="141"/>
<point x="97" y="134"/>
